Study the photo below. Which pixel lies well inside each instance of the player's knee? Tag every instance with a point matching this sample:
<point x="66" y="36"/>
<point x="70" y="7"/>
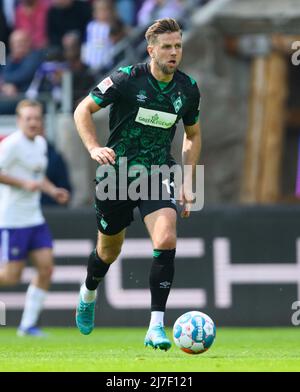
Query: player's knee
<point x="12" y="279"/>
<point x="166" y="241"/>
<point x="109" y="255"/>
<point x="45" y="272"/>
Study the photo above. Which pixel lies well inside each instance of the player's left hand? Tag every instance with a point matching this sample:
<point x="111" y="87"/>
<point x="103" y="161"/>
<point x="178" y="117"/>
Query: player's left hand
<point x="61" y="195"/>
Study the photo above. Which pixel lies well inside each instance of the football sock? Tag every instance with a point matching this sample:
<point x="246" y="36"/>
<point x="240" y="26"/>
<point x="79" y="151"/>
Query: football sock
<point x="157" y="318"/>
<point x="87" y="295"/>
<point x="161" y="278"/>
<point x="96" y="271"/>
<point x="34" y="302"/>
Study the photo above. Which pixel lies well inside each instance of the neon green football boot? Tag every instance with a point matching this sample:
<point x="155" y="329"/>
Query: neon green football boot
<point x="156" y="337"/>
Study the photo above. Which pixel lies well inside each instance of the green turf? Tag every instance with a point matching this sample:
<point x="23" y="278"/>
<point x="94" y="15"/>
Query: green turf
<point x="121" y="349"/>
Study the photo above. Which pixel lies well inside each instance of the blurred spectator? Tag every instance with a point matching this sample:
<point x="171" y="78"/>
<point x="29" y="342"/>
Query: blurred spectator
<point x="65" y="16"/>
<point x="48" y="77"/>
<point x="98" y="49"/>
<point x="82" y="78"/>
<point x="4" y="31"/>
<point x="127" y="11"/>
<point x="118" y="31"/>
<point x="18" y="73"/>
<point x="31" y="15"/>
<point x="9" y="9"/>
<point x="157" y="9"/>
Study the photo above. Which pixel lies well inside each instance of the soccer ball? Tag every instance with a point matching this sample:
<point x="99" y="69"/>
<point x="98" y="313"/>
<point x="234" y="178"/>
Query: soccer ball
<point x="194" y="332"/>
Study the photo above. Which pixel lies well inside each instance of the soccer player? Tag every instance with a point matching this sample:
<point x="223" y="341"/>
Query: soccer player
<point x="23" y="231"/>
<point x="147" y="101"/>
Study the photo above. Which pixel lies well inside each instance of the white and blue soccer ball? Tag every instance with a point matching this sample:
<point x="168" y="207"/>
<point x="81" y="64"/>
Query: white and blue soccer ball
<point x="194" y="332"/>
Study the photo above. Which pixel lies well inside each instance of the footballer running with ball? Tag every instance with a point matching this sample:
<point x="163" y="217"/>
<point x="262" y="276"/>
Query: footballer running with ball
<point x="147" y="101"/>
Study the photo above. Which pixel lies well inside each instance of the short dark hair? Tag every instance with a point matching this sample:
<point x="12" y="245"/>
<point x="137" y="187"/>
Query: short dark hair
<point x="161" y="26"/>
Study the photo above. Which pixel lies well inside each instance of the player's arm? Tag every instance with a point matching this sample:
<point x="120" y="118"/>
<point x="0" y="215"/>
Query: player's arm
<point x="87" y="131"/>
<point x="27" y="185"/>
<point x="191" y="149"/>
<point x="61" y="195"/>
<point x="8" y="155"/>
<point x="191" y="145"/>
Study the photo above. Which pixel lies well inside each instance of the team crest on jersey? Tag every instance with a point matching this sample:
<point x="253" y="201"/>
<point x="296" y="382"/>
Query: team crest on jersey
<point x="177" y="104"/>
<point x="141" y="96"/>
<point x="105" y="84"/>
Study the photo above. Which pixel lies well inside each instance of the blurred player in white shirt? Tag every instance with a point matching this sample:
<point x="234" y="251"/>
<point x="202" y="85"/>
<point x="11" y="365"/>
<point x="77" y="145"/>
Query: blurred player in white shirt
<point x="23" y="231"/>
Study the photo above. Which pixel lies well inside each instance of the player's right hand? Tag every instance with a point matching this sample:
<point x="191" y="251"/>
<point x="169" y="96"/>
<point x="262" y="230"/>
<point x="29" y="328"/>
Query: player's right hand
<point x="103" y="155"/>
<point x="186" y="199"/>
<point x="32" y="186"/>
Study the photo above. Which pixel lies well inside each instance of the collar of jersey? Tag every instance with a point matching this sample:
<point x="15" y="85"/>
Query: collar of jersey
<point x="155" y="84"/>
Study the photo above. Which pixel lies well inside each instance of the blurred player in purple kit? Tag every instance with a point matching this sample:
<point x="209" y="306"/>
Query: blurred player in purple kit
<point x="23" y="230"/>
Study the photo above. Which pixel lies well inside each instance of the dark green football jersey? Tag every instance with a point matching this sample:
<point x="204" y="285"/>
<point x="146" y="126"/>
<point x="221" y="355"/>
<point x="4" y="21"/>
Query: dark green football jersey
<point x="144" y="112"/>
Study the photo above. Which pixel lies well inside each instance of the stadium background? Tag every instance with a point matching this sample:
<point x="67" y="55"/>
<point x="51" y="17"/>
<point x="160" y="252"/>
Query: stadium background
<point x="238" y="259"/>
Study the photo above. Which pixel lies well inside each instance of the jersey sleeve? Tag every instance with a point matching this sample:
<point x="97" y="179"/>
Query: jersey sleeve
<point x="109" y="90"/>
<point x="7" y="153"/>
<point x="192" y="114"/>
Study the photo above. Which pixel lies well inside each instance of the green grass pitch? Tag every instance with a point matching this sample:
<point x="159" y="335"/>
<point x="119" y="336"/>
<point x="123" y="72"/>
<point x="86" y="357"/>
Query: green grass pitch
<point x="122" y="350"/>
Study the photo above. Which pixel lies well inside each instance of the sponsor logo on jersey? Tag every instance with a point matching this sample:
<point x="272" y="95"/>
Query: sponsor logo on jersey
<point x="141" y="96"/>
<point x="105" y="84"/>
<point x="155" y="118"/>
